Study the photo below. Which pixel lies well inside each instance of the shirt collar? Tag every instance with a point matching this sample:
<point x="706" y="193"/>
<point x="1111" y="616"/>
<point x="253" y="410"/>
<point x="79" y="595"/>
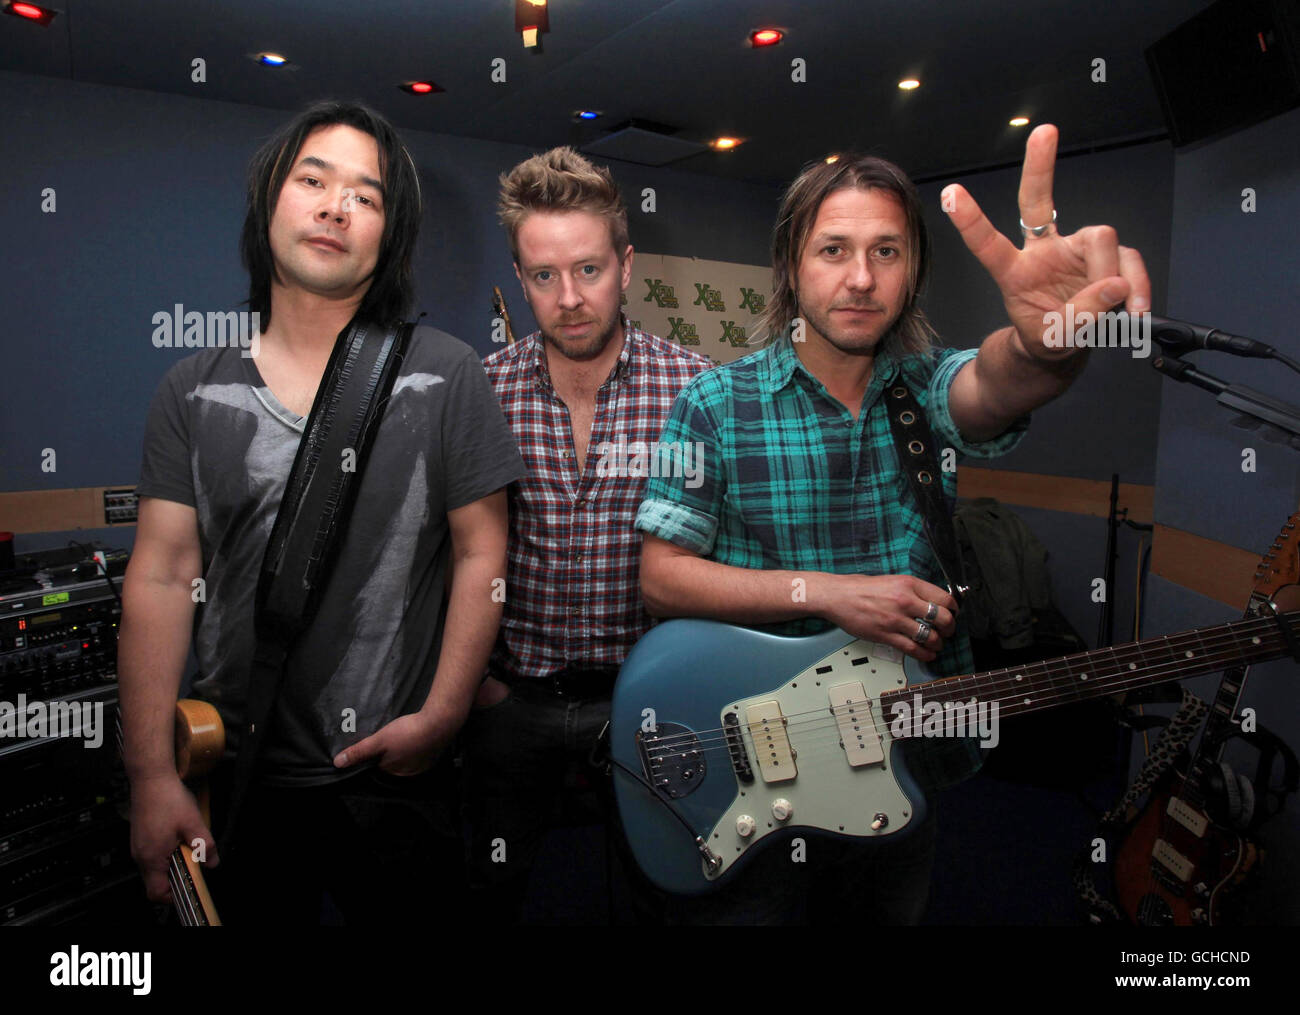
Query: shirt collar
<point x="783" y="363"/>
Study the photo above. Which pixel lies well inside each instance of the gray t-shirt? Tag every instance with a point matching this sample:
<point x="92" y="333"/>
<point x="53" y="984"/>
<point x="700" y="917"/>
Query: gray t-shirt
<point x="220" y="442"/>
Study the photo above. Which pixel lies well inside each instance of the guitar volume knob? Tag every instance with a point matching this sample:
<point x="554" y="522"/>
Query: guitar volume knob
<point x="782" y="809"/>
<point x="745" y="826"/>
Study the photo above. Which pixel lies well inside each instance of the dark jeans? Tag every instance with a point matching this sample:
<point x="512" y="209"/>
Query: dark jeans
<point x="387" y="851"/>
<point x="517" y="754"/>
<point x="871" y="884"/>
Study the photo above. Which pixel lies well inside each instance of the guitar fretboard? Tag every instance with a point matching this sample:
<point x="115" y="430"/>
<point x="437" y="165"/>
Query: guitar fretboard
<point x="1074" y="678"/>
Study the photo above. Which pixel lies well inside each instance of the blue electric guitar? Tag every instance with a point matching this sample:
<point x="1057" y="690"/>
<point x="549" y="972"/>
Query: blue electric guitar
<point x="722" y="736"/>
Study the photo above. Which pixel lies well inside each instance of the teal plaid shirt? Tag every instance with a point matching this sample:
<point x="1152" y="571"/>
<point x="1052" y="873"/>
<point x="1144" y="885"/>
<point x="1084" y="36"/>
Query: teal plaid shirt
<point x="791" y="481"/>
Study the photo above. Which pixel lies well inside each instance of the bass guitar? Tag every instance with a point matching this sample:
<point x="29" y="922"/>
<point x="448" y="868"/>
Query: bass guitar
<point x="723" y="736"/>
<point x="200" y="742"/>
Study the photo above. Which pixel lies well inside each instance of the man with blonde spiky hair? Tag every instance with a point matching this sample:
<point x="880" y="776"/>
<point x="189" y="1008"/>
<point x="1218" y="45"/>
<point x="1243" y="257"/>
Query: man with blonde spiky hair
<point x="585" y="383"/>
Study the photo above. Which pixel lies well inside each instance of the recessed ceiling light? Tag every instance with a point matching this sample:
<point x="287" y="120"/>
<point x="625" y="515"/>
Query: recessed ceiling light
<point x="30" y="12"/>
<point x="765" y="37"/>
<point x="723" y="144"/>
<point x="270" y="59"/>
<point x="586" y="114"/>
<point x="908" y="84"/>
<point x="420" y="87"/>
<point x="1019" y="121"/>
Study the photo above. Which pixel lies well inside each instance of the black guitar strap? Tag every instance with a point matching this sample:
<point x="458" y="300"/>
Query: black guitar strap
<point x="916" y="457"/>
<point x="313" y="516"/>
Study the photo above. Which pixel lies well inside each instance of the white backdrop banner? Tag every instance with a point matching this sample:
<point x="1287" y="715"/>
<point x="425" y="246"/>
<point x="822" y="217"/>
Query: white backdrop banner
<point x="710" y="307"/>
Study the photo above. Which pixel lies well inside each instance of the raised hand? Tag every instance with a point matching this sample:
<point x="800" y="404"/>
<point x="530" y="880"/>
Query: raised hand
<point x="1087" y="268"/>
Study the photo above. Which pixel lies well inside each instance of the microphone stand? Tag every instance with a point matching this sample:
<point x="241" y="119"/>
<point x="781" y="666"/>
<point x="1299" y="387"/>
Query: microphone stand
<point x="1278" y="421"/>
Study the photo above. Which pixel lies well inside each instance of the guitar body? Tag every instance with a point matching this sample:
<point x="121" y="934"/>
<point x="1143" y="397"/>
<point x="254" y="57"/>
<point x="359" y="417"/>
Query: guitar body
<point x="200" y="741"/>
<point x="692" y="674"/>
<point x="1169" y="874"/>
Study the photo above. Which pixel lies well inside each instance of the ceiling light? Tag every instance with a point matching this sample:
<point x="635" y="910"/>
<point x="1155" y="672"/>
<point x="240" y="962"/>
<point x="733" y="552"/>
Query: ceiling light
<point x="586" y="114"/>
<point x="765" y="37"/>
<point x="1019" y="121"/>
<point x="271" y="59"/>
<point x="30" y="12"/>
<point x="908" y="84"/>
<point x="832" y="159"/>
<point x="420" y="87"/>
<point x="723" y="144"/>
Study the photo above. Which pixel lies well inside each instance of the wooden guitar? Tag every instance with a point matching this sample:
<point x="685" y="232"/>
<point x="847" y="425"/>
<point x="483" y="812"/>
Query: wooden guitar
<point x="724" y="736"/>
<point x="200" y="740"/>
<point x="1176" y="863"/>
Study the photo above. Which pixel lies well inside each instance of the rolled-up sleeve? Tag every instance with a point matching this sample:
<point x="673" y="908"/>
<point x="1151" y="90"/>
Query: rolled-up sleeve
<point x="684" y="508"/>
<point x="941" y="422"/>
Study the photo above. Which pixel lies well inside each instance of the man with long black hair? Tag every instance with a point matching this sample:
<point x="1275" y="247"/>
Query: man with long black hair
<point x="351" y="793"/>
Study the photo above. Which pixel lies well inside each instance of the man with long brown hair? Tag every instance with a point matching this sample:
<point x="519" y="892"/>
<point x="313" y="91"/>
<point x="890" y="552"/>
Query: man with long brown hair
<point x="803" y="489"/>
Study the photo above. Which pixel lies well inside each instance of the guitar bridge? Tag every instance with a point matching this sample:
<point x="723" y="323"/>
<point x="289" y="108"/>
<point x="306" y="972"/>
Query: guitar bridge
<point x="672" y="759"/>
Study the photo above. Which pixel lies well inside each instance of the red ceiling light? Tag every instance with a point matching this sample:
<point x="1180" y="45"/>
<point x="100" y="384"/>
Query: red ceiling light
<point x="765" y="37"/>
<point x="30" y="12"/>
<point x="419" y="87"/>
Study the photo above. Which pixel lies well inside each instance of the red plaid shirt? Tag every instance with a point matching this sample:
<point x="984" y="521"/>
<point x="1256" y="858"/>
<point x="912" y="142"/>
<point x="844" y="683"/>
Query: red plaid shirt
<point x="573" y="593"/>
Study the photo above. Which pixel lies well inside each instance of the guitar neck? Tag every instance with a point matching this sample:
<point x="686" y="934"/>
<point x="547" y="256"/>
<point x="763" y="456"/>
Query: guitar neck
<point x="1069" y="679"/>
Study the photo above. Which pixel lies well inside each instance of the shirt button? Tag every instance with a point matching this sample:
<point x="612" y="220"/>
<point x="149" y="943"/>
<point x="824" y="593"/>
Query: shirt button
<point x="577" y="557"/>
<point x="578" y="503"/>
<point x="576" y="611"/>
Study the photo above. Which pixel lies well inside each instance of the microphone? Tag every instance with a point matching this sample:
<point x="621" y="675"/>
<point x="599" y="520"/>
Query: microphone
<point x="1182" y="336"/>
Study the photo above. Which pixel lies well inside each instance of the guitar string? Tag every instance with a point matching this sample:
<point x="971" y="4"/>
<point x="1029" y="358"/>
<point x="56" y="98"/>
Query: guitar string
<point x="1009" y="673"/>
<point x="1215" y="646"/>
<point x="184" y="904"/>
<point x="1053" y="697"/>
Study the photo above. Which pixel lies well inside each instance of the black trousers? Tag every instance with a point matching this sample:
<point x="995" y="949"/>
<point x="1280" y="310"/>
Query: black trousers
<point x="372" y="850"/>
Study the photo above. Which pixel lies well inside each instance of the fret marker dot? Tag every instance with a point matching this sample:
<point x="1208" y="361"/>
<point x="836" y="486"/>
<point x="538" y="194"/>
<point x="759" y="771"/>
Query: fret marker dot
<point x="1254" y="641"/>
<point x="1026" y="701"/>
<point x="1083" y="676"/>
<point x="1020" y="676"/>
<point x="1132" y="666"/>
<point x="1189" y="653"/>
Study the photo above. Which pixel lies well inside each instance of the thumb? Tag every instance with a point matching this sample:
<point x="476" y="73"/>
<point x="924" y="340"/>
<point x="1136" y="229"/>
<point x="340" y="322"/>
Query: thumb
<point x="198" y="830"/>
<point x="363" y="750"/>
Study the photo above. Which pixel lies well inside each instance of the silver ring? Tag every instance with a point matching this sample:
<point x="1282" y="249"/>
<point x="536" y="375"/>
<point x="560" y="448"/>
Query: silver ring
<point x="922" y="631"/>
<point x="932" y="613"/>
<point x="1038" y="230"/>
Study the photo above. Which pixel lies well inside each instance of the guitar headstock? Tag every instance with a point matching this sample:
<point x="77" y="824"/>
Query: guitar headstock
<point x="1280" y="566"/>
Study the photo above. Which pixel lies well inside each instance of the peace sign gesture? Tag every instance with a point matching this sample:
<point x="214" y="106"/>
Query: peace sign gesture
<point x="1088" y="268"/>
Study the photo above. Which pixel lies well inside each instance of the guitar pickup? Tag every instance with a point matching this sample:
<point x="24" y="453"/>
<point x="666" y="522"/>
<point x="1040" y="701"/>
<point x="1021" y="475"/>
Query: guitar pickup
<point x="1172" y="860"/>
<point x="771" y="743"/>
<point x="858" y="736"/>
<point x="1188" y="816"/>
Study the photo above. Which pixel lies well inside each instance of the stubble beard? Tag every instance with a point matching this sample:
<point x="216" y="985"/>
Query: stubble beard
<point x="586" y="349"/>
